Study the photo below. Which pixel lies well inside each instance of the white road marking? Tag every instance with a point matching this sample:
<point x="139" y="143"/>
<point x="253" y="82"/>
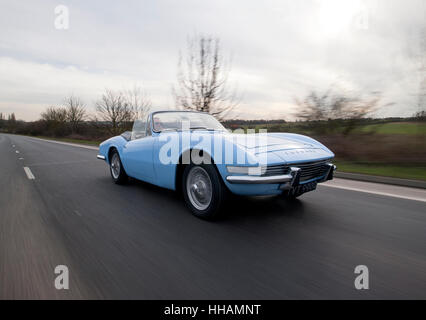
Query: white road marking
<point x="67" y="144"/>
<point x="17" y="151"/>
<point x="20" y="158"/>
<point x="379" y="189"/>
<point x="29" y="173"/>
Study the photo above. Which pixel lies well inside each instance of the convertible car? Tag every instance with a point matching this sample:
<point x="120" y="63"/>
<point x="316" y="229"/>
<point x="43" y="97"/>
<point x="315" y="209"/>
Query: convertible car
<point x="193" y="153"/>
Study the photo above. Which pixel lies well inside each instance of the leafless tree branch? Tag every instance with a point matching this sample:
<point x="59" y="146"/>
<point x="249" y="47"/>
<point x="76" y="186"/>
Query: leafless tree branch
<point x="75" y="111"/>
<point x="202" y="79"/>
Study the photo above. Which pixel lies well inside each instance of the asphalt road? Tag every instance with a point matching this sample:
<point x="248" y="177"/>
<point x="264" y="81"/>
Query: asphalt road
<point x="140" y="242"/>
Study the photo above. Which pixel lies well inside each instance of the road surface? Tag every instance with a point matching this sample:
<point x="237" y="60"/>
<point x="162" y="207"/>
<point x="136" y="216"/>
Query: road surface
<point x="140" y="242"/>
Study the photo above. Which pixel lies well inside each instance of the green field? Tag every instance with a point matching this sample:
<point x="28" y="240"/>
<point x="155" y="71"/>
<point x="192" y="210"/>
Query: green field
<point x="408" y="128"/>
<point x="388" y="128"/>
<point x="403" y="172"/>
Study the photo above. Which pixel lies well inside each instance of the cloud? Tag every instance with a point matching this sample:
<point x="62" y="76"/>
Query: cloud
<point x="27" y="87"/>
<point x="279" y="50"/>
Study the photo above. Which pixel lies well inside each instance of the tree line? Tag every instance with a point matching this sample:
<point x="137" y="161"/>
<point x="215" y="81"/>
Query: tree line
<point x="114" y="113"/>
<point x="201" y="85"/>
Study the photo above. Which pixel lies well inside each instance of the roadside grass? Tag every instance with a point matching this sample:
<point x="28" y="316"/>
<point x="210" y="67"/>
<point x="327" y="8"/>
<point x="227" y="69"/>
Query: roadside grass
<point x="403" y="172"/>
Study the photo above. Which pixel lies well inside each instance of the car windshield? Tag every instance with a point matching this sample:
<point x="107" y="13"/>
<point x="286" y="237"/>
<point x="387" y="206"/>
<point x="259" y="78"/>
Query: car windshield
<point x="168" y="121"/>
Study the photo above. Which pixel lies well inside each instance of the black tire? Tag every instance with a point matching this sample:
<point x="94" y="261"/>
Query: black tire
<point x="118" y="174"/>
<point x="291" y="196"/>
<point x="218" y="192"/>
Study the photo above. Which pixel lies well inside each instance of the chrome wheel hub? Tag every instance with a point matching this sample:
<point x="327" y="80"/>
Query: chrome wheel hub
<point x="199" y="188"/>
<point x="115" y="166"/>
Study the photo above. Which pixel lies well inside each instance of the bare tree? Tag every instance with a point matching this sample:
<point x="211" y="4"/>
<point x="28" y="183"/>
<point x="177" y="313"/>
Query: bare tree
<point x="202" y="80"/>
<point x="12" y="117"/>
<point x="11" y="123"/>
<point x="54" y="114"/>
<point x="420" y="115"/>
<point x="138" y="102"/>
<point x="317" y="107"/>
<point x="113" y="108"/>
<point x="333" y="106"/>
<point x="75" y="111"/>
<point x="422" y="70"/>
<point x="55" y="120"/>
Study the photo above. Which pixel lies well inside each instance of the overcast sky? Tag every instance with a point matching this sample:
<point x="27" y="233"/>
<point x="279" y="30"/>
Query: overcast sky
<point x="279" y="50"/>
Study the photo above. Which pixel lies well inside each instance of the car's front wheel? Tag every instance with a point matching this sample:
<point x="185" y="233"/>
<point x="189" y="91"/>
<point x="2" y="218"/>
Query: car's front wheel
<point x="118" y="173"/>
<point x="203" y="190"/>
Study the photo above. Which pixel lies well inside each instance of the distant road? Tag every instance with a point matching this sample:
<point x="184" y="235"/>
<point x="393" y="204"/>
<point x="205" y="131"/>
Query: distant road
<point x="58" y="206"/>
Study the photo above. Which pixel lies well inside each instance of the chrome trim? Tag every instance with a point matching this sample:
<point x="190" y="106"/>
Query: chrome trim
<point x="259" y="179"/>
<point x="330" y="172"/>
<point x="290" y="179"/>
<point x="100" y="157"/>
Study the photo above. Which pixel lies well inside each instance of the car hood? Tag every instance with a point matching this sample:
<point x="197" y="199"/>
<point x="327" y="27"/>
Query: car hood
<point x="281" y="148"/>
<point x="261" y="143"/>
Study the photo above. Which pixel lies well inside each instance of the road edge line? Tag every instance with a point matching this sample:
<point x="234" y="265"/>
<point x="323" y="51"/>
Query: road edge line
<point x="375" y="192"/>
<point x="67" y="143"/>
<point x="30" y="175"/>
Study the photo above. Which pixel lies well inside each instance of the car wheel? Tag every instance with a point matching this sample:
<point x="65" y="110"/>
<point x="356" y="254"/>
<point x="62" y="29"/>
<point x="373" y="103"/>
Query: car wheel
<point x="203" y="190"/>
<point x="118" y="174"/>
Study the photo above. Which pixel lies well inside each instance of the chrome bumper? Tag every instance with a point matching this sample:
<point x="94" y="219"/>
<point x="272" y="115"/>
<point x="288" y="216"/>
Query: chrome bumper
<point x="288" y="180"/>
<point x="100" y="157"/>
<point x="258" y="179"/>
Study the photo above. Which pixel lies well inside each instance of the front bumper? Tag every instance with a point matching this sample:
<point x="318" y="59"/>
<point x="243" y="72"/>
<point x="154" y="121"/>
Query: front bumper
<point x="287" y="181"/>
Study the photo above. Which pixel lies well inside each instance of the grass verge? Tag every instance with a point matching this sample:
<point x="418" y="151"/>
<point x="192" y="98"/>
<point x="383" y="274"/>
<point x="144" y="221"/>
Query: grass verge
<point x="403" y="172"/>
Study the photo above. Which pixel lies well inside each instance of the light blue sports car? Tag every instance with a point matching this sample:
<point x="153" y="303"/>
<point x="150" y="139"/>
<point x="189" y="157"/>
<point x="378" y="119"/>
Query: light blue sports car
<point x="193" y="153"/>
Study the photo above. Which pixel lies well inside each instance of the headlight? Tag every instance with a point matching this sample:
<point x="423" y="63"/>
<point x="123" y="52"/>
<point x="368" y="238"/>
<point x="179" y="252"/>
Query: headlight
<point x="251" y="171"/>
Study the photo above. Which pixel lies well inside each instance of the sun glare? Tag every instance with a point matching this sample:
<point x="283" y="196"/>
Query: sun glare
<point x="338" y="16"/>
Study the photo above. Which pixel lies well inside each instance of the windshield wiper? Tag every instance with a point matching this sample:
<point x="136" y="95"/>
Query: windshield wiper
<point x="201" y="128"/>
<point x="169" y="129"/>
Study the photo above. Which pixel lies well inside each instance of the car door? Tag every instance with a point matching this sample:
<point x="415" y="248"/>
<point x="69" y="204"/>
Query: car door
<point x="138" y="155"/>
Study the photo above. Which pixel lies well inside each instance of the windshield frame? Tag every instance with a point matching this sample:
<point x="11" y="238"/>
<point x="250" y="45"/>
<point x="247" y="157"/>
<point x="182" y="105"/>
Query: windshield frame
<point x="177" y="111"/>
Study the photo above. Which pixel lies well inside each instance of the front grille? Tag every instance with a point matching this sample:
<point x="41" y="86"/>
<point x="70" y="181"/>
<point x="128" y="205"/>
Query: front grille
<point x="308" y="170"/>
<point x="312" y="170"/>
<point x="276" y="170"/>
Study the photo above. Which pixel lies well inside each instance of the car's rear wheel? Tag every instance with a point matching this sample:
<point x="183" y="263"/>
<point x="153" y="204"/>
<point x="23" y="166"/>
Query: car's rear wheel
<point x="118" y="173"/>
<point x="203" y="190"/>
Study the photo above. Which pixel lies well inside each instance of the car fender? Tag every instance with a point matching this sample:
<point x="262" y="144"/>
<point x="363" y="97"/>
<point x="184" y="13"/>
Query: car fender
<point x="117" y="142"/>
